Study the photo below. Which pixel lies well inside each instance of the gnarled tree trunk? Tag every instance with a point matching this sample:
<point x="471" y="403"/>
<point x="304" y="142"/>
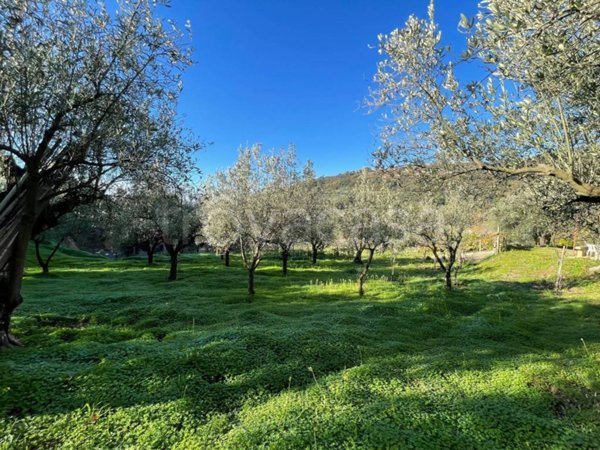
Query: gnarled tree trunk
<point x="363" y="274"/>
<point x="227" y="259"/>
<point x="38" y="255"/>
<point x="448" y="265"/>
<point x="11" y="282"/>
<point x="45" y="263"/>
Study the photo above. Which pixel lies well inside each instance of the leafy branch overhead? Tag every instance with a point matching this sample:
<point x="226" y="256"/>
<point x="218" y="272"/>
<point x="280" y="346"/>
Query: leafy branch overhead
<point x="534" y="111"/>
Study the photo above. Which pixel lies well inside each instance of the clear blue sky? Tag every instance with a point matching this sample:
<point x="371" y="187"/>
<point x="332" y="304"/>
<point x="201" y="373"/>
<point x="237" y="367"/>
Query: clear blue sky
<point x="281" y="72"/>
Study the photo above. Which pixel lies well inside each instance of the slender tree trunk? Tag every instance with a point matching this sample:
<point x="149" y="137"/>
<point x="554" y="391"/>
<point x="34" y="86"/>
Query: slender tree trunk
<point x="222" y="256"/>
<point x="285" y="256"/>
<point x="227" y="259"/>
<point x="38" y="256"/>
<point x="498" y="242"/>
<point x="449" y="279"/>
<point x="251" y="291"/>
<point x="358" y="256"/>
<point x="559" y="277"/>
<point x="315" y="250"/>
<point x="363" y="274"/>
<point x="449" y="267"/>
<point x="45" y="263"/>
<point x="10" y="286"/>
<point x="150" y="257"/>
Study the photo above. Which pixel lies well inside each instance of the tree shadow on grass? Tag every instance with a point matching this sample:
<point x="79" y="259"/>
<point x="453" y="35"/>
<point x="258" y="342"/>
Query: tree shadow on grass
<point x="125" y="352"/>
<point x="134" y="339"/>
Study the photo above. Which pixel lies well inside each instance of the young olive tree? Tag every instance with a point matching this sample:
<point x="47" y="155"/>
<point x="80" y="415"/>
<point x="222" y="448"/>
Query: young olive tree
<point x="131" y="220"/>
<point x="248" y="196"/>
<point x="70" y="225"/>
<point x="178" y="220"/>
<point x="440" y="225"/>
<point x="367" y="219"/>
<point x="84" y="94"/>
<point x="288" y="193"/>
<point x="535" y="114"/>
<point x="218" y="227"/>
<point x="317" y="214"/>
<point x="520" y="220"/>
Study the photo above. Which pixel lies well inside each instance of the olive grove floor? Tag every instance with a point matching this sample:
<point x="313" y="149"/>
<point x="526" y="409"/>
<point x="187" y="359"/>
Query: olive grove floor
<point x="117" y="357"/>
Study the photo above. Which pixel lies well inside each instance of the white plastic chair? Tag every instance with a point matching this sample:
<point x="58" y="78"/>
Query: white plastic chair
<point x="592" y="251"/>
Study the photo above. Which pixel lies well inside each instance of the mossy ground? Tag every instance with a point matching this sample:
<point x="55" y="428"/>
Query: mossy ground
<point x="117" y="357"/>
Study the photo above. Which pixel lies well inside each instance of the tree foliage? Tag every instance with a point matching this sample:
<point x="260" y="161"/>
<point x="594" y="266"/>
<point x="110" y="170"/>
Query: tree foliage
<point x="534" y="112"/>
<point x="367" y="218"/>
<point x="87" y="98"/>
<point x="247" y="203"/>
<point x="440" y="223"/>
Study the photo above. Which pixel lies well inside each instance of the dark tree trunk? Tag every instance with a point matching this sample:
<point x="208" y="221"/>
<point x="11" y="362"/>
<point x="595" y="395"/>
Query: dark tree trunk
<point x="315" y="250"/>
<point x="358" y="256"/>
<point x="446" y="267"/>
<point x="173" y="268"/>
<point x="227" y="259"/>
<point x="151" y="249"/>
<point x="10" y="286"/>
<point x="173" y="253"/>
<point x="38" y="255"/>
<point x="450" y="265"/>
<point x="222" y="256"/>
<point x="285" y="256"/>
<point x="363" y="275"/>
<point x="448" y="277"/>
<point x="251" y="291"/>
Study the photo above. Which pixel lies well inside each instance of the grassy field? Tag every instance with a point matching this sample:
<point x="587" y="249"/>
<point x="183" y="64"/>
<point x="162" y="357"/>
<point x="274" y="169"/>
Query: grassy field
<point x="117" y="357"/>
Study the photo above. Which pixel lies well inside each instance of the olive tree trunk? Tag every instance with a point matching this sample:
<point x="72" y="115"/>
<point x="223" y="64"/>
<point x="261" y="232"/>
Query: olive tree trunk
<point x="45" y="263"/>
<point x="285" y="257"/>
<point x="11" y="282"/>
<point x="358" y="256"/>
<point x="448" y="265"/>
<point x="173" y="252"/>
<point x="251" y="290"/>
<point x="363" y="274"/>
<point x="315" y="251"/>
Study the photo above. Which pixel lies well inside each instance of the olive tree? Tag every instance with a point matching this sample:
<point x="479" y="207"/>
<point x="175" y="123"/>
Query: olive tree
<point x="131" y="219"/>
<point x="520" y="219"/>
<point x="367" y="218"/>
<point x="289" y="215"/>
<point x="84" y="95"/>
<point x="536" y="112"/>
<point x="70" y="225"/>
<point x="248" y="196"/>
<point x="218" y="227"/>
<point x="440" y="224"/>
<point x="178" y="222"/>
<point x="317" y="212"/>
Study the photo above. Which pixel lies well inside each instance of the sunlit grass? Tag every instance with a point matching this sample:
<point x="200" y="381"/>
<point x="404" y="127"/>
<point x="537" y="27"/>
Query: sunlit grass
<point x="118" y="357"/>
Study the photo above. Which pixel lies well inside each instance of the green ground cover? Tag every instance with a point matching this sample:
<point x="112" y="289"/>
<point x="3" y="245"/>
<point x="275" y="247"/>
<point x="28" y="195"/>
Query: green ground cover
<point x="117" y="357"/>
